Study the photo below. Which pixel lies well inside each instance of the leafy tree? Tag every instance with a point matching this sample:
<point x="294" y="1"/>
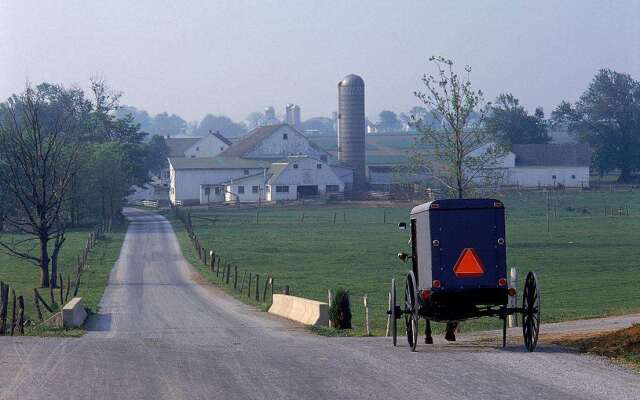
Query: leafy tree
<point x="452" y="100"/>
<point x="388" y="121"/>
<point x="323" y="125"/>
<point x="167" y="125"/>
<point x="223" y="124"/>
<point x="512" y="124"/>
<point x="607" y="116"/>
<point x="157" y="152"/>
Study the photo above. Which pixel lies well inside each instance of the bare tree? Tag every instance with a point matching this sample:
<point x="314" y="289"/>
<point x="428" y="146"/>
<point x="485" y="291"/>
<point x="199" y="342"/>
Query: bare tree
<point x="456" y="133"/>
<point x="38" y="159"/>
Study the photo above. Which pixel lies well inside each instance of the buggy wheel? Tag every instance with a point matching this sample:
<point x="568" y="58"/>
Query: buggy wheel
<point x="393" y="313"/>
<point x="412" y="330"/>
<point x="531" y="311"/>
<point x="410" y="312"/>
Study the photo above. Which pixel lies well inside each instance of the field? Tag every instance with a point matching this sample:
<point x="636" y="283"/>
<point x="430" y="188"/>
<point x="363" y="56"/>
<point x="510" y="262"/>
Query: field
<point x="23" y="276"/>
<point x="586" y="253"/>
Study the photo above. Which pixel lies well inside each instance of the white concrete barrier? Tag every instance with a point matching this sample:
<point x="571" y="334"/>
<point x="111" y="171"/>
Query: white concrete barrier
<point x="308" y="312"/>
<point x="73" y="313"/>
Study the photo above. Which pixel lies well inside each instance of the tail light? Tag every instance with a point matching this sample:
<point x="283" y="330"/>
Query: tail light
<point x="436" y="284"/>
<point x="512" y="292"/>
<point x="502" y="282"/>
<point x="425" y="295"/>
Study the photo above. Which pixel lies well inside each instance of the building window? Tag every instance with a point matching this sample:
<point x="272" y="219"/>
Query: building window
<point x="295" y="166"/>
<point x="573" y="177"/>
<point x="240" y="189"/>
<point x="207" y="191"/>
<point x="323" y="158"/>
<point x="553" y="177"/>
<point x="246" y="172"/>
<point x="221" y="148"/>
<point x="192" y="156"/>
<point x="333" y="188"/>
<point x="197" y="148"/>
<point x="319" y="166"/>
<point x="282" y="189"/>
<point x="216" y="190"/>
<point x="268" y="188"/>
<point x="285" y="136"/>
<point x="254" y="189"/>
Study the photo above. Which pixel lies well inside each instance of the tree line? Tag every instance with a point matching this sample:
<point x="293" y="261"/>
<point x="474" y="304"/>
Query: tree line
<point x="68" y="160"/>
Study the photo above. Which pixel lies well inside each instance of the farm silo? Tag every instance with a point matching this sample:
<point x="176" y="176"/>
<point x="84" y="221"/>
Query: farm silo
<point x="351" y="128"/>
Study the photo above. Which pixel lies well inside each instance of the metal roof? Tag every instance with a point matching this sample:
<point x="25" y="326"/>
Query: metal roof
<point x="552" y="155"/>
<point x="219" y="162"/>
<point x="249" y="142"/>
<point x="177" y="146"/>
<point x="351" y="80"/>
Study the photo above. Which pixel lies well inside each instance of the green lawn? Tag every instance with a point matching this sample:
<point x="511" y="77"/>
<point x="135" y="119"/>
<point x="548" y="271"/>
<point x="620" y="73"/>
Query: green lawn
<point x="23" y="276"/>
<point x="588" y="263"/>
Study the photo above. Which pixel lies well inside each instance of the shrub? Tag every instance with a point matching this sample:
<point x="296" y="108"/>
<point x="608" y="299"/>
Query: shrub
<point x="340" y="310"/>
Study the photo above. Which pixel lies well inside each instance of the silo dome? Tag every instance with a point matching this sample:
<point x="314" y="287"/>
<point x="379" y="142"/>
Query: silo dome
<point x="351" y="80"/>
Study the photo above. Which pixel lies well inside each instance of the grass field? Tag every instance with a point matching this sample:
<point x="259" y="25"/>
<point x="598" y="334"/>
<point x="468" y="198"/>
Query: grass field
<point x="23" y="276"/>
<point x="588" y="262"/>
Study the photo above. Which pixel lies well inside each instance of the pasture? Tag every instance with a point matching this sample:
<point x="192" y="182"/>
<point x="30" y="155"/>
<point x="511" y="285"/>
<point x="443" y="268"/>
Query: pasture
<point x="586" y="253"/>
<point x="23" y="276"/>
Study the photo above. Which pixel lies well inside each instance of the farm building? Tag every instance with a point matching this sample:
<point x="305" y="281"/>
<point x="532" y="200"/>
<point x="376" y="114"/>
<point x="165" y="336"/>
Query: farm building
<point x="271" y="163"/>
<point x="195" y="147"/>
<point x="550" y="165"/>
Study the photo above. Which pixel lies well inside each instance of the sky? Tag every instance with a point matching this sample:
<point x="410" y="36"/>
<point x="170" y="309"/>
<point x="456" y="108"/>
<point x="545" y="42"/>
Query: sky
<point x="235" y="57"/>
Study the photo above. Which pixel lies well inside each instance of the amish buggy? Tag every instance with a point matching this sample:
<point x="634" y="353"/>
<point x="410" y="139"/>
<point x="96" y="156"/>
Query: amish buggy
<point x="459" y="270"/>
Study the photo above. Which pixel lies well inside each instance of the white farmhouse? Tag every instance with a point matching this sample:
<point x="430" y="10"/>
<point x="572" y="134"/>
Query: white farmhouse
<point x="271" y="163"/>
<point x="195" y="147"/>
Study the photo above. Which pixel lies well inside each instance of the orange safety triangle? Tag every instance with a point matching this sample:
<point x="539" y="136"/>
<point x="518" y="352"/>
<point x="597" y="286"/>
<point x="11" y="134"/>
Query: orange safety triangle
<point x="468" y="265"/>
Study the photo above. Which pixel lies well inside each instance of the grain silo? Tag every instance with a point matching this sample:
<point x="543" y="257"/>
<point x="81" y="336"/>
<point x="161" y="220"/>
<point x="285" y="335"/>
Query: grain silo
<point x="351" y="128"/>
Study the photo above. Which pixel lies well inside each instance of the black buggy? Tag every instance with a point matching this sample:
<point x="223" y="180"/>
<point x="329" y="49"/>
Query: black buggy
<point x="459" y="270"/>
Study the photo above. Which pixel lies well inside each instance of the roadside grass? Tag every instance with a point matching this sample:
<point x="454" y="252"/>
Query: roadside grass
<point x="587" y="263"/>
<point x="621" y="346"/>
<point x="23" y="276"/>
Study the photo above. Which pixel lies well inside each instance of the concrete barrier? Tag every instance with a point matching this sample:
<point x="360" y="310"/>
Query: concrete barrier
<point x="73" y="313"/>
<point x="308" y="312"/>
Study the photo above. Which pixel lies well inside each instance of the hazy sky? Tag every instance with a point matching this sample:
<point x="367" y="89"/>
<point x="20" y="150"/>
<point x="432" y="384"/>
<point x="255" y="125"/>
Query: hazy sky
<point x="234" y="57"/>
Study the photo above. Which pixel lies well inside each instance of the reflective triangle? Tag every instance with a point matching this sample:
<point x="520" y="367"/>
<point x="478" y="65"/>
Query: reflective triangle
<point x="468" y="265"/>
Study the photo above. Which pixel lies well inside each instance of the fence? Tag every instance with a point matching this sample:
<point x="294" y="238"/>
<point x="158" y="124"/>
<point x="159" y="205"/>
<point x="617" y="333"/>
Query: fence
<point x="251" y="283"/>
<point x="17" y="322"/>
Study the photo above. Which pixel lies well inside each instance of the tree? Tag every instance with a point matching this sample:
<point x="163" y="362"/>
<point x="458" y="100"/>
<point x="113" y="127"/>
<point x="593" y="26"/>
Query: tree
<point x="461" y="111"/>
<point x="607" y="116"/>
<point x="39" y="159"/>
<point x="157" y="152"/>
<point x="223" y="124"/>
<point x="167" y="125"/>
<point x="388" y="121"/>
<point x="512" y="124"/>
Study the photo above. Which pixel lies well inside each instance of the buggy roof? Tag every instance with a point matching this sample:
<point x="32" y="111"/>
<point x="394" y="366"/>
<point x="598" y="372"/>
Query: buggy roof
<point x="457" y="204"/>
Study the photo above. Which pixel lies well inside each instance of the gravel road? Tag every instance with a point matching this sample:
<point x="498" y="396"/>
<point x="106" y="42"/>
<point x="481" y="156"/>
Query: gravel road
<point x="162" y="334"/>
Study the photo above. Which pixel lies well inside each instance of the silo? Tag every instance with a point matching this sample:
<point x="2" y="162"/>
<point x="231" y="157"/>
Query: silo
<point x="351" y="128"/>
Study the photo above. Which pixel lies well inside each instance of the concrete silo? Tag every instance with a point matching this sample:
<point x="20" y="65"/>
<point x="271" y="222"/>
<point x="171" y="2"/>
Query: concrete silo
<point x="351" y="128"/>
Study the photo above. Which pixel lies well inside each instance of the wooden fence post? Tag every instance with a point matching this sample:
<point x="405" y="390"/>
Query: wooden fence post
<point x="257" y="287"/>
<point x="249" y="286"/>
<point x="4" y="299"/>
<point x="330" y="301"/>
<point x="264" y="292"/>
<point x="228" y="272"/>
<point x="37" y="304"/>
<point x="212" y="259"/>
<point x="218" y="268"/>
<point x="13" y="311"/>
<point x="61" y="290"/>
<point x="242" y="284"/>
<point x="235" y="277"/>
<point x="513" y="300"/>
<point x="204" y="259"/>
<point x="366" y="314"/>
<point x="21" y="315"/>
<point x="66" y="297"/>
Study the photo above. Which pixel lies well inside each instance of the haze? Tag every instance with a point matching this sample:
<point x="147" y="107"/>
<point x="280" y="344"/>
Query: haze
<point x="235" y="57"/>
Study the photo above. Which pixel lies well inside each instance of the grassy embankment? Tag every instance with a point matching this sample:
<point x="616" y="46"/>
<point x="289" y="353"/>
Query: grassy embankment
<point x="588" y="263"/>
<point x="622" y="347"/>
<point x="23" y="276"/>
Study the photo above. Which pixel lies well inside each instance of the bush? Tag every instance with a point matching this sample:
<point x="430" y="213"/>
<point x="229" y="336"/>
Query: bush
<point x="340" y="310"/>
